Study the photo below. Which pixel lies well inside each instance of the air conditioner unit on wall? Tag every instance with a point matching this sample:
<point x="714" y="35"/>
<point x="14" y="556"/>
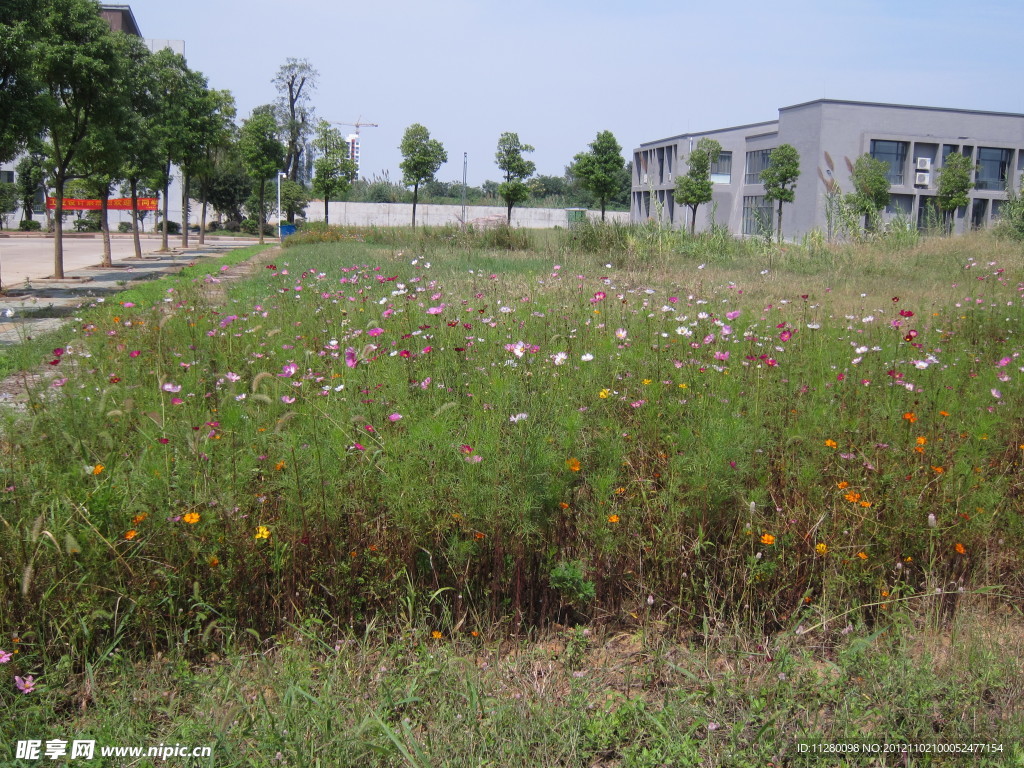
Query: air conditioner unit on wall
<point x="924" y="163"/>
<point x="922" y="179"/>
<point x="645" y="178"/>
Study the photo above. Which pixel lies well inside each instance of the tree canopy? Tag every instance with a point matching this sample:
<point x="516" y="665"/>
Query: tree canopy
<point x="602" y="168"/>
<point x="261" y="152"/>
<point x="954" y="184"/>
<point x="333" y="170"/>
<point x="422" y="157"/>
<point x="870" y="194"/>
<point x="295" y="82"/>
<point x="516" y="169"/>
<point x="779" y="178"/>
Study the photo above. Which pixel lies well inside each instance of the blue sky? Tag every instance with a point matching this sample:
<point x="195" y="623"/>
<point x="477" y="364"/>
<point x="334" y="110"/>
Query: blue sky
<point x="558" y="72"/>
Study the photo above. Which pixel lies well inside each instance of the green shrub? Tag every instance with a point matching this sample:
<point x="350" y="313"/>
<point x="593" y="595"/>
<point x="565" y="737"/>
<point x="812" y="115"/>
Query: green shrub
<point x="124" y="227"/>
<point x="30" y="225"/>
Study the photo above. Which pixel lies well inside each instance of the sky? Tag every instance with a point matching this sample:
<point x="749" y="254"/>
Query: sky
<point x="560" y="71"/>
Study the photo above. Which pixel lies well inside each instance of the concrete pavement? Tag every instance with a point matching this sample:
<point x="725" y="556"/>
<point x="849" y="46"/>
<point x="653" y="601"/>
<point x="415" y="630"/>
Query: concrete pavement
<point x="36" y="303"/>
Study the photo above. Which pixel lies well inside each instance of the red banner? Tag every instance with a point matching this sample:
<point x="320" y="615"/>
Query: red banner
<point x="114" y="204"/>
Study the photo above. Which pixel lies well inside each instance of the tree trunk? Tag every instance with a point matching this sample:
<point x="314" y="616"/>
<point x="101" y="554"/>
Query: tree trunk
<point x="163" y="236"/>
<point x="780" y="223"/>
<point x="202" y="221"/>
<point x="108" y="260"/>
<point x="415" y="198"/>
<point x="602" y="210"/>
<point x="510" y="214"/>
<point x="185" y="181"/>
<point x="262" y="215"/>
<point x="135" y="218"/>
<point x="693" y="219"/>
<point x="326" y="204"/>
<point x="58" y="229"/>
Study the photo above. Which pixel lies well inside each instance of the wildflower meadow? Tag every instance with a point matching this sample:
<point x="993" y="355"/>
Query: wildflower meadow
<point x="378" y="450"/>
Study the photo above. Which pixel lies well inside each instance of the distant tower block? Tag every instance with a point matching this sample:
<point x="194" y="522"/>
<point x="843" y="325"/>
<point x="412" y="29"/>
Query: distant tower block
<point x="353" y="148"/>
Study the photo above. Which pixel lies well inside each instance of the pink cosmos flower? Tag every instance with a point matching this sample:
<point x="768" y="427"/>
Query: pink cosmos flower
<point x="721" y="355"/>
<point x="286" y="399"/>
<point x="375" y="332"/>
<point x="171" y="387"/>
<point x="474" y="459"/>
<point x="5" y="656"/>
<point x="350" y="357"/>
<point x="25" y="684"/>
<point x="395" y="417"/>
<point x="176" y="401"/>
<point x="732" y="315"/>
<point x="135" y="353"/>
<point x="287" y="370"/>
<point x="465" y="449"/>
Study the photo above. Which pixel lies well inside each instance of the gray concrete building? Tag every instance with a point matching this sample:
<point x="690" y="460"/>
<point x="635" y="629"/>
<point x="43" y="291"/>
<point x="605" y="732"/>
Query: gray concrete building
<point x="830" y="135"/>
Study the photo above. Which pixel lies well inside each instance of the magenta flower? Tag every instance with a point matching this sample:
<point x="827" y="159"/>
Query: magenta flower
<point x="288" y="370"/>
<point x="474" y="459"/>
<point x="732" y="315"/>
<point x="996" y="393"/>
<point x="286" y="399"/>
<point x="785" y="336"/>
<point x="176" y="401"/>
<point x="1004" y="362"/>
<point x="395" y="417"/>
<point x="5" y="656"/>
<point x="25" y="684"/>
<point x="350" y="357"/>
<point x="171" y="387"/>
<point x="465" y="449"/>
<point x="135" y="353"/>
<point x="375" y="332"/>
<point x="358" y="447"/>
<point x="721" y="355"/>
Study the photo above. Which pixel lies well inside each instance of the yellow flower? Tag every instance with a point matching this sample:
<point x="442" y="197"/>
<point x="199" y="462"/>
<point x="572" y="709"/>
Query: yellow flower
<point x="573" y="464"/>
<point x="262" y="532"/>
<point x="684" y="386"/>
<point x="613" y="518"/>
<point x="191" y="518"/>
<point x="129" y="535"/>
<point x="646" y="382"/>
<point x="97" y="469"/>
<point x="767" y="539"/>
<point x="603" y="394"/>
<point x="862" y="555"/>
<point x="831" y="443"/>
<point x="821" y="548"/>
<point x="436" y="635"/>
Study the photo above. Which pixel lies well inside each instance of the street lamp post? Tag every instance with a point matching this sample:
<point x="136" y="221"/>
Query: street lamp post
<point x="280" y="175"/>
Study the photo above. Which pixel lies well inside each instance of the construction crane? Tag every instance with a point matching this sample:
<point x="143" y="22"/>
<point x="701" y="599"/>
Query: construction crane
<point x="357" y="124"/>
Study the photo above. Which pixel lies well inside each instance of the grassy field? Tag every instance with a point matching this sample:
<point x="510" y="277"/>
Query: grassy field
<point x="616" y="497"/>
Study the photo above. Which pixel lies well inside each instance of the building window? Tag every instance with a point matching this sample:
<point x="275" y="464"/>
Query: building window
<point x="721" y="169"/>
<point x="757" y="215"/>
<point x="757" y="161"/>
<point x="993" y="167"/>
<point x="6" y="177"/>
<point x="895" y="154"/>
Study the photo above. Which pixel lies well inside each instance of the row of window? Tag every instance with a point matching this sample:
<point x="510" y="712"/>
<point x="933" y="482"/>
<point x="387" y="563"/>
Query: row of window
<point x="992" y="163"/>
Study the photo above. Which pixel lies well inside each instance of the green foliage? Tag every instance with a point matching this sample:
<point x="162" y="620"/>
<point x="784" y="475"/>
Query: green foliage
<point x="602" y="170"/>
<point x="227" y="185"/>
<point x="422" y="156"/>
<point x="9" y="196"/>
<point x="516" y="169"/>
<point x="29" y="177"/>
<point x="569" y="580"/>
<point x="19" y="114"/>
<point x="1011" y="216"/>
<point x="779" y="178"/>
<point x="871" y="188"/>
<point x="29" y="225"/>
<point x="294" y="199"/>
<point x="694" y="187"/>
<point x="954" y="184"/>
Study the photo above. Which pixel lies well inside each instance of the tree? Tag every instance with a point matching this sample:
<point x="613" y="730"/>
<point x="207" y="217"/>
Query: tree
<point x="8" y="201"/>
<point x="261" y="153"/>
<point x="516" y="168"/>
<point x="19" y="113"/>
<point x="294" y="199"/>
<point x="423" y="156"/>
<point x="601" y="169"/>
<point x="30" y="177"/>
<point x="209" y="128"/>
<point x="334" y="170"/>
<point x="76" y="64"/>
<point x="295" y="81"/>
<point x="870" y="179"/>
<point x="228" y="186"/>
<point x="694" y="187"/>
<point x="954" y="184"/>
<point x="779" y="178"/>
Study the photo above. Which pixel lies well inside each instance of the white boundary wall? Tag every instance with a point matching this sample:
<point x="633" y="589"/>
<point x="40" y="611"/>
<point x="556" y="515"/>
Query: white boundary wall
<point x="400" y="215"/>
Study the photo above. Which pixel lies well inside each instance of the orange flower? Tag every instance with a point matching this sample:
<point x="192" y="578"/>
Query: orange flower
<point x="613" y="518"/>
<point x="909" y="416"/>
<point x="98" y="469"/>
<point x="129" y="535"/>
<point x="922" y="441"/>
<point x="831" y="443"/>
<point x="843" y="485"/>
<point x="436" y="635"/>
<point x="960" y="549"/>
<point x="938" y="470"/>
<point x="479" y="535"/>
<point x="943" y="413"/>
<point x="853" y="497"/>
<point x="214" y="561"/>
<point x="919" y="449"/>
<point x="279" y="466"/>
<point x="474" y="633"/>
<point x="862" y="555"/>
<point x="191" y="518"/>
<point x="563" y="505"/>
<point x="140" y="517"/>
<point x="767" y="539"/>
<point x="865" y="504"/>
<point x="573" y="464"/>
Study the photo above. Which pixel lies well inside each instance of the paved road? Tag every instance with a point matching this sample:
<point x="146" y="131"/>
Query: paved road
<point x="31" y="258"/>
